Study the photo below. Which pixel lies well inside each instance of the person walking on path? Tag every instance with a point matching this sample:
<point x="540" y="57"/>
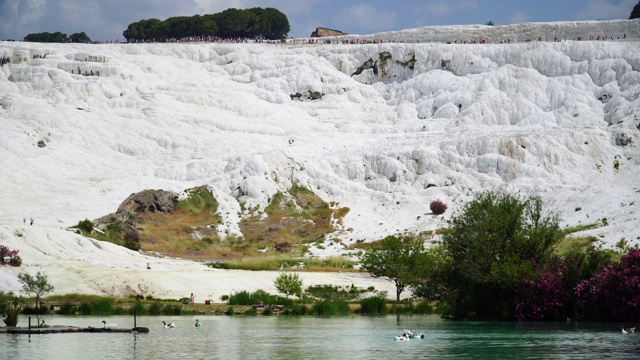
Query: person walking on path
<point x="31" y="223"/>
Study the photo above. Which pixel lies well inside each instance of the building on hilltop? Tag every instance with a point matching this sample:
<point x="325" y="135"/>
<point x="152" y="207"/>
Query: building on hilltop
<point x="324" y="32"/>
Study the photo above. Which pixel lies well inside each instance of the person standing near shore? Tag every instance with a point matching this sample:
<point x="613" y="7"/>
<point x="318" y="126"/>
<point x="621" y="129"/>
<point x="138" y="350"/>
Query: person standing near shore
<point x="192" y="299"/>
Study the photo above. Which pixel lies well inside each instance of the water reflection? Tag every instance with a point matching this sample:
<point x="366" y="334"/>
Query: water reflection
<point x="323" y="338"/>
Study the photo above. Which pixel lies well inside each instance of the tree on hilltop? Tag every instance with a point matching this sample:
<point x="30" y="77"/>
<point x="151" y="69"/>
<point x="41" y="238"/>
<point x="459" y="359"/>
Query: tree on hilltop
<point x="46" y="37"/>
<point x="80" y="37"/>
<point x="257" y="23"/>
<point x="635" y="13"/>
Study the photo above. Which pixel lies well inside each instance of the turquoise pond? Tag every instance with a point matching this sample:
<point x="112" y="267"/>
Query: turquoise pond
<point x="355" y="337"/>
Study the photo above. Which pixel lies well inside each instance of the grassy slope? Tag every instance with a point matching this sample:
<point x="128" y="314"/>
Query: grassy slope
<point x="297" y="217"/>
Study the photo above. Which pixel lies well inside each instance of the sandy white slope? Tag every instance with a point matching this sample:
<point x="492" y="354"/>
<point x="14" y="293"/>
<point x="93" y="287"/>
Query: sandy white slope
<point x="75" y="264"/>
<point x="535" y="118"/>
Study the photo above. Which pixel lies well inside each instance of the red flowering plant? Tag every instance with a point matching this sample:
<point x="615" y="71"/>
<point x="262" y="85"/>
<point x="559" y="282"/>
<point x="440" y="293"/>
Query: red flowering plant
<point x="438" y="207"/>
<point x="614" y="293"/>
<point x="9" y="257"/>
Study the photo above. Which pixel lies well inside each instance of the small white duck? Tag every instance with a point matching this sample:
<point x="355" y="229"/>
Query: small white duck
<point x="403" y="337"/>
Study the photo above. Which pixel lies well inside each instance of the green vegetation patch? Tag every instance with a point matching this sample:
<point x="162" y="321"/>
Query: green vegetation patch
<point x="262" y="263"/>
<point x="294" y="218"/>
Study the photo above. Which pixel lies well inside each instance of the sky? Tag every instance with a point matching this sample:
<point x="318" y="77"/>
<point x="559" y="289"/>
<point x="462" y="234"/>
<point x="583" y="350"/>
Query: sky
<point x="107" y="19"/>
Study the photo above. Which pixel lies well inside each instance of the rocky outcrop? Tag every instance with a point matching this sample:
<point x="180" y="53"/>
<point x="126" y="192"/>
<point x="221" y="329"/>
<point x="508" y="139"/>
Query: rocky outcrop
<point x="144" y="202"/>
<point x="149" y="201"/>
<point x="324" y="32"/>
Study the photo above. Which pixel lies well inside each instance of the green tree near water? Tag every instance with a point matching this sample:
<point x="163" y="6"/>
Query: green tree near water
<point x="37" y="285"/>
<point x="288" y="284"/>
<point x="495" y="242"/>
<point x="397" y="258"/>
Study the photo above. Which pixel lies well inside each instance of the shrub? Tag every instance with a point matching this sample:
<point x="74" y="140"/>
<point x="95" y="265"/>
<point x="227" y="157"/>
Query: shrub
<point x="12" y="310"/>
<point x="138" y="309"/>
<point x="172" y="310"/>
<point x="544" y="298"/>
<point x="283" y="246"/>
<point x="67" y="309"/>
<point x="373" y="306"/>
<point x="132" y="239"/>
<point x="241" y="298"/>
<point x="614" y="293"/>
<point x="496" y="242"/>
<point x="423" y="308"/>
<point x="155" y="309"/>
<point x="131" y="235"/>
<point x="86" y="226"/>
<point x="253" y="312"/>
<point x="9" y="257"/>
<point x="438" y="207"/>
<point x="84" y="309"/>
<point x="337" y="307"/>
<point x="296" y="310"/>
<point x="132" y="245"/>
<point x="288" y="284"/>
<point x="15" y="261"/>
<point x="330" y="292"/>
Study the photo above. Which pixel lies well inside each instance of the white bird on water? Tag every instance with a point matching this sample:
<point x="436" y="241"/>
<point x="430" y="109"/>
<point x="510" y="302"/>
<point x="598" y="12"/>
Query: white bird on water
<point x="166" y="326"/>
<point x="628" y="330"/>
<point x="110" y="325"/>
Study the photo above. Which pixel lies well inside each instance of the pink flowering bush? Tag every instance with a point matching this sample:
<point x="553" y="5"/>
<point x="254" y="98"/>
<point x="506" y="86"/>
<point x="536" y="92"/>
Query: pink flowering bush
<point x="544" y="298"/>
<point x="614" y="293"/>
<point x="550" y="295"/>
<point x="438" y="207"/>
<point x="9" y="257"/>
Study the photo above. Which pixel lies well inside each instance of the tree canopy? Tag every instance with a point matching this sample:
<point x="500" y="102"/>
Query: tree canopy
<point x="266" y="23"/>
<point x="635" y="13"/>
<point x="80" y="37"/>
<point x="57" y="37"/>
<point x="288" y="284"/>
<point x="397" y="258"/>
<point x="37" y="285"/>
<point x="47" y="37"/>
<point x="494" y="243"/>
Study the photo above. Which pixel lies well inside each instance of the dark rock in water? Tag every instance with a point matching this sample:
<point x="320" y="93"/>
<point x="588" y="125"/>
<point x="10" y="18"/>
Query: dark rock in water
<point x="149" y="201"/>
<point x="140" y="330"/>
